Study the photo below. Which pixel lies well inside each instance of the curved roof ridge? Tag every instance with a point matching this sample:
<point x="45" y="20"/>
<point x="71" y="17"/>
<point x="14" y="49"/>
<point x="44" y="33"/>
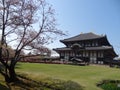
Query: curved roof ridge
<point x="83" y="36"/>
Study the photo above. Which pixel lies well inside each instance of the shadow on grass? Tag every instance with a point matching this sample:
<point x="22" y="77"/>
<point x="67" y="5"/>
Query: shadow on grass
<point x="2" y="87"/>
<point x="47" y="84"/>
<point x="25" y="83"/>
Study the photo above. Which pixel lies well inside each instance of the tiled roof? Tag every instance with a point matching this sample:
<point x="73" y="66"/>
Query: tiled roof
<point x="99" y="48"/>
<point x="62" y="49"/>
<point x="84" y="36"/>
<point x="87" y="48"/>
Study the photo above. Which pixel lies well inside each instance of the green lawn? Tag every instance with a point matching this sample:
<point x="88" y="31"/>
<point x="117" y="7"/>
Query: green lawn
<point x="87" y="76"/>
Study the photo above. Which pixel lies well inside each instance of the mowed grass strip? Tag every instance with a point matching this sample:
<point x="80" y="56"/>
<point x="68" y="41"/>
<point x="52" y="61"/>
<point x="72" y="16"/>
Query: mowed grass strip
<point x="87" y="76"/>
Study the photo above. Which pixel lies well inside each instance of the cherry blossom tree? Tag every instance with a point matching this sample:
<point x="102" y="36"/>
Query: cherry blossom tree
<point x="24" y="24"/>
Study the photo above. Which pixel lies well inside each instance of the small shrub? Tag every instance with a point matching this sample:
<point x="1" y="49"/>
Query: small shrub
<point x="109" y="85"/>
<point x="70" y="85"/>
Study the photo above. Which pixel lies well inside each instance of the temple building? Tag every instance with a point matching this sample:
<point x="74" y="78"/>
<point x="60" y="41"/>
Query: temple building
<point x="87" y="47"/>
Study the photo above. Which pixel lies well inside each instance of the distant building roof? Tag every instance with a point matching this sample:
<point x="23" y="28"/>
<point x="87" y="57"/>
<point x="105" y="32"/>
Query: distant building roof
<point x="83" y="36"/>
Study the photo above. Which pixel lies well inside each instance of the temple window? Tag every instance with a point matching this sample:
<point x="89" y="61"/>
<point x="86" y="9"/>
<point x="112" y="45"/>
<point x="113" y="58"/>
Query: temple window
<point x="94" y="54"/>
<point x="100" y="54"/>
<point x="89" y="44"/>
<point x="71" y="53"/>
<point x="83" y="54"/>
<point x="86" y="54"/>
<point x="93" y="44"/>
<point x="96" y="43"/>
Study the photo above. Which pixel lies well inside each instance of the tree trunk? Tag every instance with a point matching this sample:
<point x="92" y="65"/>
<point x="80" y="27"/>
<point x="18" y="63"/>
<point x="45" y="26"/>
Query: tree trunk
<point x="11" y="75"/>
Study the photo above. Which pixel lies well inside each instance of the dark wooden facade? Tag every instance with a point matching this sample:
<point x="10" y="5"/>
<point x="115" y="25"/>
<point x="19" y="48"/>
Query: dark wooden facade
<point x="87" y="47"/>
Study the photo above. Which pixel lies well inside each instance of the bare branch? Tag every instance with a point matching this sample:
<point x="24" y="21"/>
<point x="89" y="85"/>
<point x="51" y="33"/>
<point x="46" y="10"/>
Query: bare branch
<point x="12" y="40"/>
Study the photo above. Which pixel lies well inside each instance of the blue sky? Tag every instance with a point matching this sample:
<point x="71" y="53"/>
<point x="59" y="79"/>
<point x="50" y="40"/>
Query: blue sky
<point x="98" y="16"/>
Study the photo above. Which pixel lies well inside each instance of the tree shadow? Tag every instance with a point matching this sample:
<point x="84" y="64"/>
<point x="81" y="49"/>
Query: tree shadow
<point x="3" y="87"/>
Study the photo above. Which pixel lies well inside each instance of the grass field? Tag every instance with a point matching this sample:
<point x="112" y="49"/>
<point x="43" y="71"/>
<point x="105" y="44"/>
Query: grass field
<point x="87" y="76"/>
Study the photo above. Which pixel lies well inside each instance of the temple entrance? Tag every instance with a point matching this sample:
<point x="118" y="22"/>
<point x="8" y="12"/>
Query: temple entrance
<point x="93" y="57"/>
<point x="93" y="60"/>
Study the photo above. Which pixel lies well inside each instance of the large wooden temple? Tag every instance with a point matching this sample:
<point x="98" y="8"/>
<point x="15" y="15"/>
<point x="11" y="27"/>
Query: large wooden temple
<point x="87" y="47"/>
